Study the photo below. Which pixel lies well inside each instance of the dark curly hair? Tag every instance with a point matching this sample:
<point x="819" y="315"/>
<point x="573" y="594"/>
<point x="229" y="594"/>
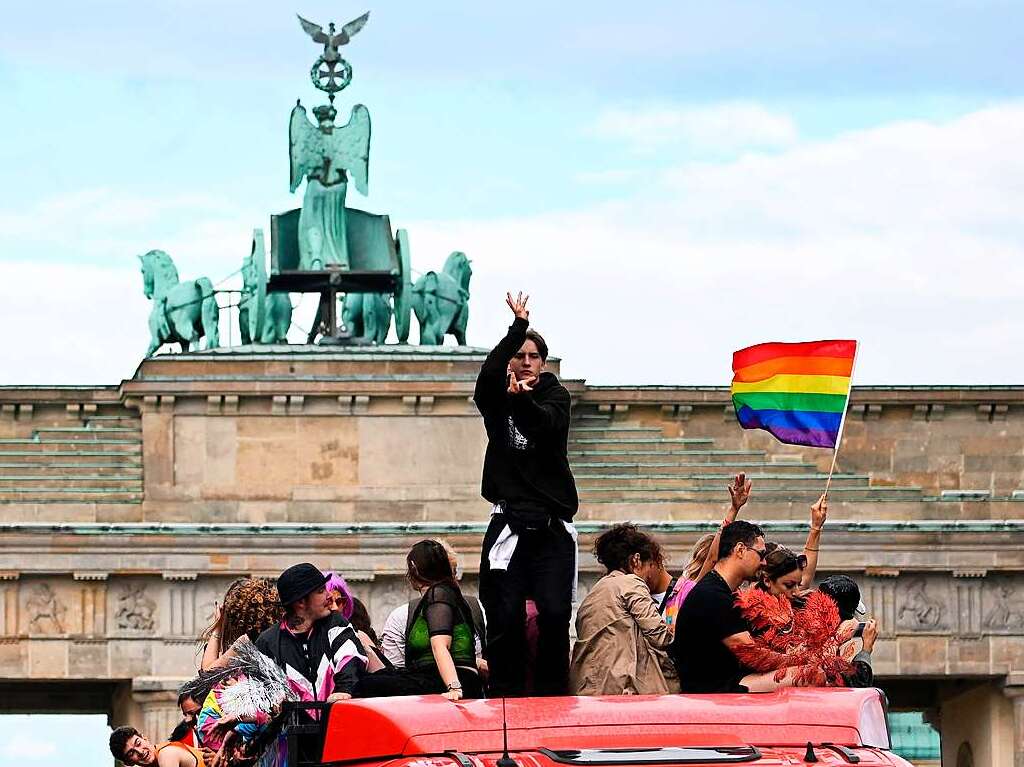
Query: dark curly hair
<point x="250" y="606"/>
<point x="616" y="546"/>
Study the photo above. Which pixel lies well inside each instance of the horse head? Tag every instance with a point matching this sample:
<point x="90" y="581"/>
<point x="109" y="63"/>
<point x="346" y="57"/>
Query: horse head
<point x="158" y="271"/>
<point x="457" y="266"/>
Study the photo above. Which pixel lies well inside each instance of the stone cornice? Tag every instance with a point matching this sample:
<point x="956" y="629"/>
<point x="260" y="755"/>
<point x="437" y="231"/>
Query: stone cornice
<point x="861" y="395"/>
<point x="988" y="527"/>
<point x="178" y="551"/>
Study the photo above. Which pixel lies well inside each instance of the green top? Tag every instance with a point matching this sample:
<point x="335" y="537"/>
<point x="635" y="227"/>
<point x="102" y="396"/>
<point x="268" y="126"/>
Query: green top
<point x="441" y="611"/>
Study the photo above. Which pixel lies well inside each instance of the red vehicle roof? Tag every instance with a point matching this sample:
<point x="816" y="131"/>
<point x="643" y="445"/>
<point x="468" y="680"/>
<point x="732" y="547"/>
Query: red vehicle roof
<point x="382" y="728"/>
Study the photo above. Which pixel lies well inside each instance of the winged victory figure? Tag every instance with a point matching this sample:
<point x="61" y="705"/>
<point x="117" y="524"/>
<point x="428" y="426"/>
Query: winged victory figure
<point x="326" y="155"/>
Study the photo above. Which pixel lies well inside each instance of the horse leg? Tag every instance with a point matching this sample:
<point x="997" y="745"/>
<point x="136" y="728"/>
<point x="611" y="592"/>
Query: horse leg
<point x="243" y="324"/>
<point x="209" y="313"/>
<point x="460" y="323"/>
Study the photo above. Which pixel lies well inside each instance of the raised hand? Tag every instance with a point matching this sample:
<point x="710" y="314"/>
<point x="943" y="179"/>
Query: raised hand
<point x="518" y="305"/>
<point x="739" y="491"/>
<point x="819" y="512"/>
<point x="870" y="634"/>
<point x="515" y="386"/>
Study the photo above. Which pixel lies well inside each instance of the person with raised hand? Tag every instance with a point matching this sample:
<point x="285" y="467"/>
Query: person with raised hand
<point x="529" y="549"/>
<point x="668" y="592"/>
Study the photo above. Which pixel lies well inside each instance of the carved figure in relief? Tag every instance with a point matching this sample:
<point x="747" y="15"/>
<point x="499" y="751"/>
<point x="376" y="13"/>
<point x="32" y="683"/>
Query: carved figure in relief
<point x="918" y="609"/>
<point x="46" y="613"/>
<point x="135" y="609"/>
<point x="1008" y="610"/>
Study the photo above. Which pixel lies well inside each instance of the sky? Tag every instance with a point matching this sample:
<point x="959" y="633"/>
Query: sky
<point x="55" y="741"/>
<point x="669" y="181"/>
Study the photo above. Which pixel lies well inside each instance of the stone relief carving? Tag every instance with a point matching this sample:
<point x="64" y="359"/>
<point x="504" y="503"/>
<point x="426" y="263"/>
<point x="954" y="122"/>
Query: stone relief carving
<point x="1007" y="611"/>
<point x="46" y="613"/>
<point x="918" y="609"/>
<point x="135" y="610"/>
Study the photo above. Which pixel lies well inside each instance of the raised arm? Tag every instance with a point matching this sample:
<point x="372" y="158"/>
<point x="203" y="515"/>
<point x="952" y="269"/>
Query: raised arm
<point x="819" y="512"/>
<point x="492" y="381"/>
<point x="739" y="494"/>
<point x="211" y="652"/>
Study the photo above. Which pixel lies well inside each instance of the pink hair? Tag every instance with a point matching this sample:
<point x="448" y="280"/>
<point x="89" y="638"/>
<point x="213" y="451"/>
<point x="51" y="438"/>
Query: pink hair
<point x="336" y="583"/>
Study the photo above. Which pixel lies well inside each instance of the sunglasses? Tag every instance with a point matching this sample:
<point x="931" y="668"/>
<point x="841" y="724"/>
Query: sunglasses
<point x="782" y="561"/>
<point x="763" y="553"/>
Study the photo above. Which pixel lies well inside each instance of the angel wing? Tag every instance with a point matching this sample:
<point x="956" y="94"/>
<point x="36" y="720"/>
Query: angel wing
<point x="350" y="147"/>
<point x="305" y="146"/>
<point x="313" y="30"/>
<point x="349" y="30"/>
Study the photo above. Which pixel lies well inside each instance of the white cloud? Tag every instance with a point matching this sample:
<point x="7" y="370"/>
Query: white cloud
<point x="907" y="236"/>
<point x="725" y="127"/>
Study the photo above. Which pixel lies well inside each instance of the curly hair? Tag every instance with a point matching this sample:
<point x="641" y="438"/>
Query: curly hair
<point x="249" y="609"/>
<point x="615" y="546"/>
<point x="250" y="606"/>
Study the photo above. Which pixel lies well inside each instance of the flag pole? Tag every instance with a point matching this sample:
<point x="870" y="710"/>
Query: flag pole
<point x="842" y="422"/>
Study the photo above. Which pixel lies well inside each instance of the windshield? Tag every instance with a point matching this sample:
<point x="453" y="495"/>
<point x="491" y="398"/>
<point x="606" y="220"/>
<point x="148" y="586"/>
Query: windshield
<point x="668" y="755"/>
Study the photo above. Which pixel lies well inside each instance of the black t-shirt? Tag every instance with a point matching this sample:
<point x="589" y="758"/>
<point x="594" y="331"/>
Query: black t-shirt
<point x="708" y="615"/>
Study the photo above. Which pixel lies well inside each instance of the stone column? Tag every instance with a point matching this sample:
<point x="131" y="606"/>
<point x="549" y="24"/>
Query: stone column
<point x="1014" y="690"/>
<point x="157" y="701"/>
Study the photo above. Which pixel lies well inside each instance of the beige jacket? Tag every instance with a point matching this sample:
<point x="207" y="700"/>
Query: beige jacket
<point x="619" y="629"/>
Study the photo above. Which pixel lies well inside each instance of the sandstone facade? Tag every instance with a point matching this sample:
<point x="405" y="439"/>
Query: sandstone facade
<point x="127" y="510"/>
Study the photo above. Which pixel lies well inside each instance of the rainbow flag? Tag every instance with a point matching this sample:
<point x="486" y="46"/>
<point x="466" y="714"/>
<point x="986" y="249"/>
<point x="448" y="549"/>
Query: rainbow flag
<point x="796" y="392"/>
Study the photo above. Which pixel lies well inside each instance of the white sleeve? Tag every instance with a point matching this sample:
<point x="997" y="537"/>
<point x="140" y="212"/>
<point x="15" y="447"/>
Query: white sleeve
<point x="477" y="642"/>
<point x="392" y="635"/>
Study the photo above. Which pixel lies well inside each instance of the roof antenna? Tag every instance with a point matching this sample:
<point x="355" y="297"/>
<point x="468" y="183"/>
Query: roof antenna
<point x="810" y="756"/>
<point x="505" y="760"/>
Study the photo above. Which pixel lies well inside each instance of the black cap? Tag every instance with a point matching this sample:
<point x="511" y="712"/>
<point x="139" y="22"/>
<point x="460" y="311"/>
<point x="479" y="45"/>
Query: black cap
<point x="299" y="581"/>
<point x="844" y="590"/>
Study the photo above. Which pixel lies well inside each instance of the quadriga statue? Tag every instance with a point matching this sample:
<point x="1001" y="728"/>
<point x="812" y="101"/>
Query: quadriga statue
<point x="183" y="312"/>
<point x="367" y="316"/>
<point x="441" y="301"/>
<point x="277" y="307"/>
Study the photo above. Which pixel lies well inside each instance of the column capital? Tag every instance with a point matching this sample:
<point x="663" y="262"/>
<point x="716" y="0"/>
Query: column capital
<point x="1013" y="688"/>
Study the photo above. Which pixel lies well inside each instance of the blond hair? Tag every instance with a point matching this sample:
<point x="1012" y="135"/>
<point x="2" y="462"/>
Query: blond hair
<point x="698" y="555"/>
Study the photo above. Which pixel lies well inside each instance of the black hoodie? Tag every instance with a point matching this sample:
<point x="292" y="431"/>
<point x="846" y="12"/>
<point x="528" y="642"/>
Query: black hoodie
<point x="526" y="467"/>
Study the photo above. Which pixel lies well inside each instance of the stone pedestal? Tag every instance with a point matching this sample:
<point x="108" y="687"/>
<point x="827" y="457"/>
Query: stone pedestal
<point x="311" y="434"/>
<point x="157" y="712"/>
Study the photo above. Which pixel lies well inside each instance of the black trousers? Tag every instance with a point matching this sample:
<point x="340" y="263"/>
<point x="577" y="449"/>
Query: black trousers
<point x="400" y="681"/>
<point x="542" y="569"/>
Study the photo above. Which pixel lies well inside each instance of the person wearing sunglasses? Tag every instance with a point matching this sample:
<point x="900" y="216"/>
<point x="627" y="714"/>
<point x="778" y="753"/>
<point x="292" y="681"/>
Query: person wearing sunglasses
<point x="711" y="631"/>
<point x="790" y="574"/>
<point x="782" y="573"/>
